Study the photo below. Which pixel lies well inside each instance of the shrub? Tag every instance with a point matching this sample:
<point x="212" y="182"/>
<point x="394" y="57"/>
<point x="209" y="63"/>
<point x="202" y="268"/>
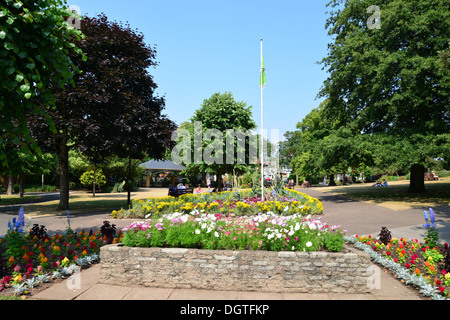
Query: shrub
<point x="87" y="178"/>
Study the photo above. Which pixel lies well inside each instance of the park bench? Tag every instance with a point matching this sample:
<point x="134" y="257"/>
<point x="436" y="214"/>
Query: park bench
<point x="180" y="192"/>
<point x="431" y="176"/>
<point x="290" y="185"/>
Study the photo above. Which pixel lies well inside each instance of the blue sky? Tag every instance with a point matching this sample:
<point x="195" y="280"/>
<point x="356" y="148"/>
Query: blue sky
<point x="209" y="46"/>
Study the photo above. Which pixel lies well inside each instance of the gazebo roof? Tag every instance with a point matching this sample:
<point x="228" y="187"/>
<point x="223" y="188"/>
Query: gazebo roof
<point x="163" y="165"/>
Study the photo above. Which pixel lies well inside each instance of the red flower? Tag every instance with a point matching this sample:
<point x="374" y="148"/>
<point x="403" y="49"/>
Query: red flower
<point x="407" y="265"/>
<point x="441" y="289"/>
<point x="375" y="248"/>
<point x="395" y="260"/>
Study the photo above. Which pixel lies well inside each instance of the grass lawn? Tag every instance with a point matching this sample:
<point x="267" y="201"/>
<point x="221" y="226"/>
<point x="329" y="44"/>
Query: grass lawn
<point x="15" y="199"/>
<point x="81" y="202"/>
<point x="396" y="195"/>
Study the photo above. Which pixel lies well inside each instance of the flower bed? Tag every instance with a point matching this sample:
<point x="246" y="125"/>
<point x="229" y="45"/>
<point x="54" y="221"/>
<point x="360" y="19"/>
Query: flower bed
<point x="227" y="202"/>
<point x="264" y="231"/>
<point x="419" y="264"/>
<point x="28" y="259"/>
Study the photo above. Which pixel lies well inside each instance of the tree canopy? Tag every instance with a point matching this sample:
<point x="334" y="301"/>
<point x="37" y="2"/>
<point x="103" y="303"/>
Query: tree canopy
<point x="392" y="79"/>
<point x="113" y="108"/>
<point x="36" y="44"/>
<point x="209" y="145"/>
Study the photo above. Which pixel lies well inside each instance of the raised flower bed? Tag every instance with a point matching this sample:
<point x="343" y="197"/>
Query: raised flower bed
<point x="244" y="270"/>
<point x="202" y="246"/>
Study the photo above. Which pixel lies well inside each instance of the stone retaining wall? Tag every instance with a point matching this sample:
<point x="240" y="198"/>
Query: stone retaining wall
<point x="263" y="271"/>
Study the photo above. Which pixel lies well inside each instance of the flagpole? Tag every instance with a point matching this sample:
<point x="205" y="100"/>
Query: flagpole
<point x="262" y="126"/>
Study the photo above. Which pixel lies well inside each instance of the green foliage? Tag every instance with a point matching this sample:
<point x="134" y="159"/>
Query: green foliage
<point x="87" y="178"/>
<point x="334" y="241"/>
<point x="220" y="112"/>
<point x="386" y="97"/>
<point x="36" y="43"/>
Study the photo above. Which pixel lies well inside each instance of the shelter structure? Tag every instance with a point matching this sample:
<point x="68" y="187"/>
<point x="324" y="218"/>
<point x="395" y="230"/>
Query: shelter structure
<point x="160" y="169"/>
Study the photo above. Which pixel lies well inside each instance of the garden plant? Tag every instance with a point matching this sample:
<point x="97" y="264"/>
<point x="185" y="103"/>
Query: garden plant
<point x="30" y="258"/>
<point x="232" y="221"/>
<point x="425" y="265"/>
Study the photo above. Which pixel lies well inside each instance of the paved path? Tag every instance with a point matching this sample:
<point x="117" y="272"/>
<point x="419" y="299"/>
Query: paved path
<point x="365" y="218"/>
<point x="91" y="289"/>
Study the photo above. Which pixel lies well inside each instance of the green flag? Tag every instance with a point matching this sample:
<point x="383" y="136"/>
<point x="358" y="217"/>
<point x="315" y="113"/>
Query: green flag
<point x="262" y="75"/>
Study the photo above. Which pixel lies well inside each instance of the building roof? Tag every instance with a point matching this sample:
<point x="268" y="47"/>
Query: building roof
<point x="162" y="165"/>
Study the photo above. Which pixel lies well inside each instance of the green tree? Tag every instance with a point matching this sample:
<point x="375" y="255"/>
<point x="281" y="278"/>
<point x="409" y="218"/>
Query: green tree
<point x="93" y="178"/>
<point x="217" y="115"/>
<point x="113" y="109"/>
<point x="391" y="80"/>
<point x="35" y="48"/>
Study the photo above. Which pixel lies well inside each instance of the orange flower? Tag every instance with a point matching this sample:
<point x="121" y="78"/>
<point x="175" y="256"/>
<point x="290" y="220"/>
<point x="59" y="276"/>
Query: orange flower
<point x="25" y="257"/>
<point x="11" y="259"/>
<point x="417" y="271"/>
<point x="431" y="268"/>
<point x="427" y="264"/>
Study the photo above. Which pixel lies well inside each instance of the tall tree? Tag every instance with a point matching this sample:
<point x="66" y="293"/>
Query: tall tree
<point x="390" y="79"/>
<point x="210" y="145"/>
<point x="113" y="109"/>
<point x="35" y="49"/>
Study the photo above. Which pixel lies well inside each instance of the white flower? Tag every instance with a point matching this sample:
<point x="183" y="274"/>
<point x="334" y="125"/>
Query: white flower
<point x="197" y="231"/>
<point x="216" y="234"/>
<point x="309" y="244"/>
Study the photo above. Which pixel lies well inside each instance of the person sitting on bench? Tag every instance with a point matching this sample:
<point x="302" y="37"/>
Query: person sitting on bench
<point x="172" y="191"/>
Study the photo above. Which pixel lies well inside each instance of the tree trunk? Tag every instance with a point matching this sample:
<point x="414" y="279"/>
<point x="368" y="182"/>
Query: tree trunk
<point x="93" y="189"/>
<point x="63" y="176"/>
<point x="9" y="191"/>
<point x="21" y="185"/>
<point x="219" y="180"/>
<point x="129" y="184"/>
<point x="416" y="182"/>
<point x="332" y="182"/>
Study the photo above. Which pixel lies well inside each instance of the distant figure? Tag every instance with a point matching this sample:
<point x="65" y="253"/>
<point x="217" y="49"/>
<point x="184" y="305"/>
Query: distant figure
<point x="208" y="183"/>
<point x="434" y="176"/>
<point x="172" y="191"/>
<point x="199" y="189"/>
<point x="384" y="183"/>
<point x="181" y="186"/>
